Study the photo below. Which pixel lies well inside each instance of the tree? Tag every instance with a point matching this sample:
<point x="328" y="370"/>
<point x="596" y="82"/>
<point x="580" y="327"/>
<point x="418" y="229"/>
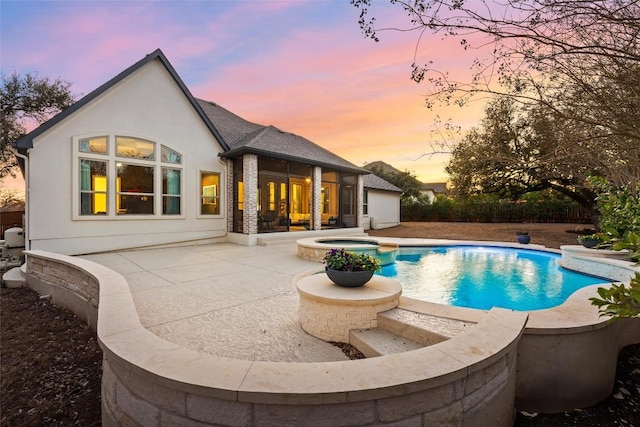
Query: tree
<point x="10" y="201"/>
<point x="407" y="181"/>
<point x="516" y="151"/>
<point x="26" y="101"/>
<point x="579" y="61"/>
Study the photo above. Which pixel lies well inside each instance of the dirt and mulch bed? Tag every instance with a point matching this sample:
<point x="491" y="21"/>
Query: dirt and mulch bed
<point x="549" y="235"/>
<point x="50" y="362"/>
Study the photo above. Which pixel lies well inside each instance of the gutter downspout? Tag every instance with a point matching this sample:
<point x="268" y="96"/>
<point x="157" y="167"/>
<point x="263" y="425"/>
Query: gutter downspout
<point x="27" y="211"/>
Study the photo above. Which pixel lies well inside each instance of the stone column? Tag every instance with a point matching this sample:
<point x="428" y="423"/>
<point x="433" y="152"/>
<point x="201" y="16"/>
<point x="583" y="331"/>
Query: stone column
<point x="230" y="202"/>
<point x="360" y="196"/>
<point x="250" y="178"/>
<point x="316" y="208"/>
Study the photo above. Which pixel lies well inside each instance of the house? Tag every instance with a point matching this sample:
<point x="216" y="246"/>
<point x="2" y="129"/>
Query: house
<point x="381" y="203"/>
<point x="140" y="162"/>
<point x="412" y="186"/>
<point x="433" y="189"/>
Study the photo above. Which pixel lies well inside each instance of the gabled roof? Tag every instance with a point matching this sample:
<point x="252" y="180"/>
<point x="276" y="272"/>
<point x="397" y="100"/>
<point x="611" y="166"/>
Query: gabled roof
<point x="243" y="137"/>
<point x="374" y="182"/>
<point x="26" y="141"/>
<point x="236" y="135"/>
<point x="436" y="187"/>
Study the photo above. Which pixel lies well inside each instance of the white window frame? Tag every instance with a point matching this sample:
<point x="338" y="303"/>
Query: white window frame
<point x="112" y="159"/>
<point x="222" y="191"/>
<point x="365" y="202"/>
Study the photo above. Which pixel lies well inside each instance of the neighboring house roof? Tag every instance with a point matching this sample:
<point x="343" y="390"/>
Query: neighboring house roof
<point x="374" y="182"/>
<point x="243" y="137"/>
<point x="436" y="187"/>
<point x="385" y="168"/>
<point x="26" y="141"/>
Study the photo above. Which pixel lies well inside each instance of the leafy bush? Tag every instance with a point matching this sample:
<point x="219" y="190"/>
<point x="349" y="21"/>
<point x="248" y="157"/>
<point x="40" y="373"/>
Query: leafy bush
<point x="618" y="206"/>
<point x="619" y="301"/>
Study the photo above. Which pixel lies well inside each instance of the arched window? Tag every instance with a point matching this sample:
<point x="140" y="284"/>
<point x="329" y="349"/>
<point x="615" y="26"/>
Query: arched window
<point x="124" y="175"/>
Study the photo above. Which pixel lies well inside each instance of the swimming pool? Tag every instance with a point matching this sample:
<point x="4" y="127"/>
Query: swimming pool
<point x="484" y="277"/>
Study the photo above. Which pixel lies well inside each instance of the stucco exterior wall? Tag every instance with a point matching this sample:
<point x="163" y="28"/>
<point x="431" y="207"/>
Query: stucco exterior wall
<point x="383" y="211"/>
<point x="147" y="104"/>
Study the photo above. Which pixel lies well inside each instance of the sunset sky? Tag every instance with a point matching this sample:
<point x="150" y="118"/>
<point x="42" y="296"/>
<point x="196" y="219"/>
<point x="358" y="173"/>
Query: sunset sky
<point x="302" y="66"/>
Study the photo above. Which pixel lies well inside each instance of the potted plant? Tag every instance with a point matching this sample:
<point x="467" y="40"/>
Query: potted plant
<point x="523" y="237"/>
<point x="590" y="240"/>
<point x="350" y="269"/>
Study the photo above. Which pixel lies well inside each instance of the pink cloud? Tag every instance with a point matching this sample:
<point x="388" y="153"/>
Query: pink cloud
<point x="355" y="99"/>
<point x="319" y="79"/>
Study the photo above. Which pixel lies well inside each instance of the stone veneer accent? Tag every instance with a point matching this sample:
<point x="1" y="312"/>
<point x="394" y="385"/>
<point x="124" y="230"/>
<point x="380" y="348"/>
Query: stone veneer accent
<point x="469" y="380"/>
<point x="329" y="312"/>
<point x="316" y="221"/>
<point x="360" y="201"/>
<point x="230" y="202"/>
<point x="250" y="179"/>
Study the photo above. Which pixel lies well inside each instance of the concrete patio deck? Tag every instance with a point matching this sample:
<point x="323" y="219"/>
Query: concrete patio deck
<point x="222" y="299"/>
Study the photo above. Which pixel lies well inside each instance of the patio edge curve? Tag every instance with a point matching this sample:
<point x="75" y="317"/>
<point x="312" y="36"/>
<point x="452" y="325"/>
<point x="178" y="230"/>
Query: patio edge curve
<point x="150" y="381"/>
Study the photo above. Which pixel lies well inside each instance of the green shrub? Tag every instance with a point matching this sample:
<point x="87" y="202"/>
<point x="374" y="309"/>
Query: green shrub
<point x="619" y="301"/>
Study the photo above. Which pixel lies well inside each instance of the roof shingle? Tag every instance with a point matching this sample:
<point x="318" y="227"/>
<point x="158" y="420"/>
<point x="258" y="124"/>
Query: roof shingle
<point x="376" y="183"/>
<point x="243" y="136"/>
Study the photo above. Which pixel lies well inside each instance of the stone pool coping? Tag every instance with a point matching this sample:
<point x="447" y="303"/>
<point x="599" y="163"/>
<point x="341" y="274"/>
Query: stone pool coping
<point x="150" y="380"/>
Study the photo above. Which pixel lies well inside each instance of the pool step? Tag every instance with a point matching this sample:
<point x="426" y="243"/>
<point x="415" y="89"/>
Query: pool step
<point x="426" y="329"/>
<point x="378" y="342"/>
<point x="402" y="330"/>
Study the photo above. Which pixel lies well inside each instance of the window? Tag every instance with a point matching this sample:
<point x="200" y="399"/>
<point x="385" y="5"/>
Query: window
<point x="93" y="187"/>
<point x="283" y="200"/>
<point x="272" y="196"/>
<point x="209" y="189"/>
<point x="170" y="191"/>
<point x="96" y="145"/>
<point x="135" y="189"/>
<point x="135" y="148"/>
<point x="123" y="175"/>
<point x="170" y="156"/>
<point x="240" y="195"/>
<point x="365" y="202"/>
<point x="296" y="201"/>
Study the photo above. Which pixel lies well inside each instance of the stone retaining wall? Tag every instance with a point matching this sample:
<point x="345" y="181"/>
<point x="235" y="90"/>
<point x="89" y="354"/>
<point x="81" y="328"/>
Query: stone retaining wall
<point x="566" y="359"/>
<point x="467" y="380"/>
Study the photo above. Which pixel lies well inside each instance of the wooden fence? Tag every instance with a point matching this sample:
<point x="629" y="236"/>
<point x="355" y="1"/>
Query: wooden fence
<point x="10" y="219"/>
<point x="498" y="212"/>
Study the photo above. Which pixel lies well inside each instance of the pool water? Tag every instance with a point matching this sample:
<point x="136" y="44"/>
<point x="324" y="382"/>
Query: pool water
<point x="485" y="277"/>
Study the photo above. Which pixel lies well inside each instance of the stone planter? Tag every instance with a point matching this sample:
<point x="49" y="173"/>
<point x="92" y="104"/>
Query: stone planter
<point x="523" y="237"/>
<point x="349" y="279"/>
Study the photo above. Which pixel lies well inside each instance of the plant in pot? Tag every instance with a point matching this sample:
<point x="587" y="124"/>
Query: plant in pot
<point x="350" y="269"/>
<point x="590" y="240"/>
